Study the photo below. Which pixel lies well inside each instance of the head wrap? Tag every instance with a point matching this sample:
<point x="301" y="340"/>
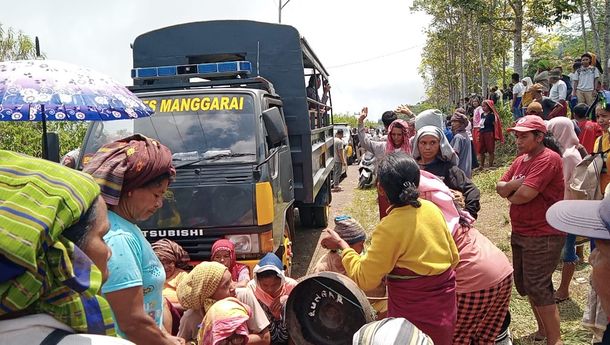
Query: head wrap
<point x="534" y="108"/>
<point x="170" y="251"/>
<point x="498" y="131"/>
<point x="41" y="271"/>
<point x="194" y="290"/>
<point x="349" y="229"/>
<point x="223" y="319"/>
<point x="128" y="164"/>
<point x="446" y="152"/>
<point x="390" y="331"/>
<point x="461" y="118"/>
<point x="528" y="83"/>
<point x="270" y="262"/>
<point x="563" y="130"/>
<point x="430" y="117"/>
<point x="234" y="267"/>
<point x="406" y="140"/>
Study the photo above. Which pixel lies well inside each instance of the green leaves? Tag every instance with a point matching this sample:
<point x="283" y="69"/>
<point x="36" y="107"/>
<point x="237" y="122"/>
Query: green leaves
<point x="26" y="137"/>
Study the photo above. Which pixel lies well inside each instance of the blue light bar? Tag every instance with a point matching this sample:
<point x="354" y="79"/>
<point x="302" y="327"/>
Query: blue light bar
<point x="203" y="70"/>
<point x="167" y="71"/>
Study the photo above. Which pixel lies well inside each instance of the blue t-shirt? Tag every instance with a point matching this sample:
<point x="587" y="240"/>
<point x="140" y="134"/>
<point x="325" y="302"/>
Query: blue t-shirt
<point x="133" y="263"/>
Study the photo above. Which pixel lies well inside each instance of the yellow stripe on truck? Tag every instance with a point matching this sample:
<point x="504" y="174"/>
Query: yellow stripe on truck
<point x="264" y="203"/>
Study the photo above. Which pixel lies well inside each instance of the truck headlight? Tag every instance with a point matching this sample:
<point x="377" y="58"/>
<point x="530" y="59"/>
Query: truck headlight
<point x="245" y="244"/>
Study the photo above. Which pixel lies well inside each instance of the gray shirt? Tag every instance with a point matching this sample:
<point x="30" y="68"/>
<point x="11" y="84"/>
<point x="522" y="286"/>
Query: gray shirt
<point x="461" y="145"/>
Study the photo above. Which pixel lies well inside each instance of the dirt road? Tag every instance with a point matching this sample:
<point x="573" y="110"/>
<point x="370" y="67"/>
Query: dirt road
<point x="306" y="244"/>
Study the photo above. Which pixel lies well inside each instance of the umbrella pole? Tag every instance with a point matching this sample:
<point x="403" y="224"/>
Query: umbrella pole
<point x="45" y="144"/>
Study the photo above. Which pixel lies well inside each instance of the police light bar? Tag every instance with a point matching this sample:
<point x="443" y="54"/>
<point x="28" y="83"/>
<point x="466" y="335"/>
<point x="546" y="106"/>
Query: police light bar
<point x="203" y="70"/>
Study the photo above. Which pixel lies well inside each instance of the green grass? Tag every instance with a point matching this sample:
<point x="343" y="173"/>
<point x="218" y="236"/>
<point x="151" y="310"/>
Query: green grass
<point x="494" y="222"/>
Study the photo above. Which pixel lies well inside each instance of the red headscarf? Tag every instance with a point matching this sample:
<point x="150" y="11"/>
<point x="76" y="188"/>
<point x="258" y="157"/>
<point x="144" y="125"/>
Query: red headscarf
<point x="127" y="164"/>
<point x="406" y="140"/>
<point x="498" y="132"/>
<point x="234" y="267"/>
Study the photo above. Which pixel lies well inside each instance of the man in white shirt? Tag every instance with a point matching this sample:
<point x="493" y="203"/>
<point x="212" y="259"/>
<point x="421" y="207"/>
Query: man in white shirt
<point x="518" y="90"/>
<point x="586" y="81"/>
<point x="559" y="91"/>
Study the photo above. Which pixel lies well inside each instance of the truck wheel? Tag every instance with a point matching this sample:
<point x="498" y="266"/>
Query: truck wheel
<point x="285" y="252"/>
<point x="320" y="215"/>
<point x="306" y="216"/>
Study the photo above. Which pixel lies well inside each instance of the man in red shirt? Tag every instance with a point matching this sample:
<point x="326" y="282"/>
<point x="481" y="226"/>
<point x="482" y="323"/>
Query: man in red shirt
<point x="532" y="184"/>
<point x="589" y="130"/>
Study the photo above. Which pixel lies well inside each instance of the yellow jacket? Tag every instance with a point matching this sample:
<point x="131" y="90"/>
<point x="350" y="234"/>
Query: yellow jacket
<point x="413" y="238"/>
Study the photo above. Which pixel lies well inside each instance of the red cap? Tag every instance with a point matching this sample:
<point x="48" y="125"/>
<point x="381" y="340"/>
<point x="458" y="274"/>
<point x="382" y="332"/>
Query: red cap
<point x="529" y="123"/>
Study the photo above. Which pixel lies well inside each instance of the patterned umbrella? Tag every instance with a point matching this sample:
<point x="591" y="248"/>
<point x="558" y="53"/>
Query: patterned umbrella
<point x="63" y="92"/>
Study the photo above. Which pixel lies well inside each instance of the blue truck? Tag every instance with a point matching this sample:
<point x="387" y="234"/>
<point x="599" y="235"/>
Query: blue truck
<point x="248" y="143"/>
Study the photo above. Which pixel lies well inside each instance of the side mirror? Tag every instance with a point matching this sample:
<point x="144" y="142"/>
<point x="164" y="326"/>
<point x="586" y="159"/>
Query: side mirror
<point x="274" y="123"/>
<point x="52" y="152"/>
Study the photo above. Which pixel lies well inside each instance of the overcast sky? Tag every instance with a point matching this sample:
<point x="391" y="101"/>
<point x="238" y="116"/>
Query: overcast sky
<point x="371" y="49"/>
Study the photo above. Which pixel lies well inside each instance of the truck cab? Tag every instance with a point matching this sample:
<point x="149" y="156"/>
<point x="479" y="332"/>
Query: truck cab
<point x="230" y="103"/>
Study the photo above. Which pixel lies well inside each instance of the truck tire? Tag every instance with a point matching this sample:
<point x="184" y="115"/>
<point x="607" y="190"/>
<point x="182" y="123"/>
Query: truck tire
<point x="306" y="216"/>
<point x="320" y="216"/>
<point x="289" y="233"/>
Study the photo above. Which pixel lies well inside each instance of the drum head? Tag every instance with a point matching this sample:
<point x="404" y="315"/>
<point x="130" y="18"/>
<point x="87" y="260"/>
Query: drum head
<point x="326" y="308"/>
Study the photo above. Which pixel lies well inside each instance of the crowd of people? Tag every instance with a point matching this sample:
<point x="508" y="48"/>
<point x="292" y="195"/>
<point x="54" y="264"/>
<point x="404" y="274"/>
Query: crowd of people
<point x="456" y="288"/>
<point x="75" y="267"/>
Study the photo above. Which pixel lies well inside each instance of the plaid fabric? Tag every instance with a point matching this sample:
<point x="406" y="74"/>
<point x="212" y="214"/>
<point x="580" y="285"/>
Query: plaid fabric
<point x="40" y="270"/>
<point x="481" y="314"/>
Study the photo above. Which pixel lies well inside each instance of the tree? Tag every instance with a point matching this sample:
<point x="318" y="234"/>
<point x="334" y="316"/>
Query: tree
<point x="25" y="136"/>
<point x="15" y="45"/>
<point x="607" y="43"/>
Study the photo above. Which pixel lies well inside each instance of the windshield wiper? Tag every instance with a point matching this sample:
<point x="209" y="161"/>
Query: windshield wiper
<point x="224" y="155"/>
<point x="178" y="164"/>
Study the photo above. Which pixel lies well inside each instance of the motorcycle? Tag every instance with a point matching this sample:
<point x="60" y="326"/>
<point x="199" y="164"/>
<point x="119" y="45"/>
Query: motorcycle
<point x="366" y="170"/>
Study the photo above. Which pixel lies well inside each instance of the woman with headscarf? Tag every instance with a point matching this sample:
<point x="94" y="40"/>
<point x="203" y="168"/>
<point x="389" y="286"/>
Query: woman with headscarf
<point x="208" y="283"/>
<point x="391" y="331"/>
<point x="490" y="131"/>
<point x="461" y="143"/>
<point x="562" y="129"/>
<point x="53" y="258"/>
<point x="399" y="139"/>
<point x="434" y="154"/>
<point x="223" y="251"/>
<point x="271" y="288"/>
<point x="175" y="261"/>
<point x="483" y="274"/>
<point x="133" y="174"/>
<point x="225" y="323"/>
<point x="413" y="249"/>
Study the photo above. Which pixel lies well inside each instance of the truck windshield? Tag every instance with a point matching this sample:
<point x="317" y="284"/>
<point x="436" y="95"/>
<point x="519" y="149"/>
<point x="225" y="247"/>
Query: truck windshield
<point x="198" y="129"/>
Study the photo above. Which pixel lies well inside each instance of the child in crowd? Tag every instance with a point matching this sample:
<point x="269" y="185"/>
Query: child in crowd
<point x="207" y="283"/>
<point x="223" y="251"/>
<point x="353" y="233"/>
<point x="589" y="130"/>
<point x="271" y="288"/>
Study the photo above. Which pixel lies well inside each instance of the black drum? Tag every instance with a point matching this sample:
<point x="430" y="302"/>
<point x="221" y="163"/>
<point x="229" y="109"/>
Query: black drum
<point x="326" y="308"/>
